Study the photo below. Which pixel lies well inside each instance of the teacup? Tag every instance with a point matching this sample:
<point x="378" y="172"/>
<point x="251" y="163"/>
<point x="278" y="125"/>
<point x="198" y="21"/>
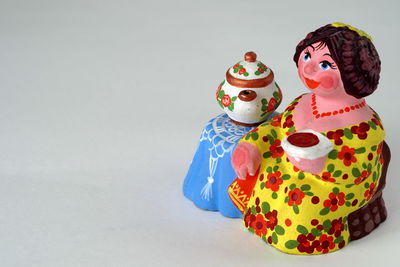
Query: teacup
<point x="307" y="150"/>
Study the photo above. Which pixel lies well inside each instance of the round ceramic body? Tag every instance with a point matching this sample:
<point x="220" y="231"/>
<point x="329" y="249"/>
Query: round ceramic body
<point x="249" y="112"/>
<point x="249" y="94"/>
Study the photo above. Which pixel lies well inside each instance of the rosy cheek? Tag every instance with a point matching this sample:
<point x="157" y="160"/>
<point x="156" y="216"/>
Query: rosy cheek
<point x="329" y="82"/>
<point x="300" y="70"/>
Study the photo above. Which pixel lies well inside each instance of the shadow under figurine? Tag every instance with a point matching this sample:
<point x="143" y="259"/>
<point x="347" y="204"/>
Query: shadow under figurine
<point x="248" y="96"/>
<point x="321" y="164"/>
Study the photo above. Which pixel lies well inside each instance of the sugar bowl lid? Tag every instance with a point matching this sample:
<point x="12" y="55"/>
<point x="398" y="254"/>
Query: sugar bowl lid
<point x="249" y="73"/>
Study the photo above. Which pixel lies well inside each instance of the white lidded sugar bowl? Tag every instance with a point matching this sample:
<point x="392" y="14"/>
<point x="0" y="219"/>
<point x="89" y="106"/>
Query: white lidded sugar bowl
<point x="249" y="94"/>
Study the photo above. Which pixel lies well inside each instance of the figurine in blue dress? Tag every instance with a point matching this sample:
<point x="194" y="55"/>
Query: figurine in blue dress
<point x="249" y="96"/>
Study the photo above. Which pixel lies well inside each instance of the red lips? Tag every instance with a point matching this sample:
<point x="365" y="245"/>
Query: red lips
<point x="311" y="83"/>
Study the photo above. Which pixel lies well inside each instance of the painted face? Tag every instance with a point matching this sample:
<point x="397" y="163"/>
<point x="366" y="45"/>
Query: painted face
<point x="319" y="72"/>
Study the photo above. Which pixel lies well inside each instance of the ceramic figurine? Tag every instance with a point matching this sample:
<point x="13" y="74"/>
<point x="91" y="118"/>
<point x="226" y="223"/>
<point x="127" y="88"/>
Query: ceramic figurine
<point x="249" y="95"/>
<point x="312" y="179"/>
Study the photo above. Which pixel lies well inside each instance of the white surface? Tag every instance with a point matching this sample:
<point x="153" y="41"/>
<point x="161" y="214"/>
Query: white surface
<point x="101" y="107"/>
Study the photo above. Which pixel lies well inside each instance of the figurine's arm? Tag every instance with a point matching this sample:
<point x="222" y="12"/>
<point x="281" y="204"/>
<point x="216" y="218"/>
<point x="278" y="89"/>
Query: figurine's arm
<point x="246" y="159"/>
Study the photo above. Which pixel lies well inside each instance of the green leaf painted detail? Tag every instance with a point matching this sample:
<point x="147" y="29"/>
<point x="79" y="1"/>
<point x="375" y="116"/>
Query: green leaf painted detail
<point x="305" y="187"/>
<point x="347" y="132"/>
<point x="338" y="240"/>
<point x="279" y="230"/>
<point x="335" y="190"/>
<point x="316" y="232"/>
<point x="333" y="154"/>
<point x="254" y="136"/>
<point x="285" y="177"/>
<point x="291" y="244"/>
<point x="360" y="150"/>
<point x="274" y="195"/>
<point x="267" y="155"/>
<point x="324" y="211"/>
<point x="253" y="210"/>
<point x="373" y="126"/>
<point x="274" y="238"/>
<point x="330" y="168"/>
<point x="296" y="209"/>
<point x="301" y="176"/>
<point x="327" y="224"/>
<point x="274" y="134"/>
<point x="349" y="196"/>
<point x="301" y="229"/>
<point x="356" y="172"/>
<point x="262" y="185"/>
<point x="265" y="208"/>
<point x="337" y="173"/>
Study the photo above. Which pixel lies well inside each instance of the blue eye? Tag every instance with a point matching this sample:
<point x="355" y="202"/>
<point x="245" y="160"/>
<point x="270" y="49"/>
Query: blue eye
<point x="307" y="56"/>
<point x="324" y="65"/>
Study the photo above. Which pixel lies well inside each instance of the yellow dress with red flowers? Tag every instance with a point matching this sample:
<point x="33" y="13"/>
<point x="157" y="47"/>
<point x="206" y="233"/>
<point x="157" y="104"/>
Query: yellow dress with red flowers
<point x="301" y="213"/>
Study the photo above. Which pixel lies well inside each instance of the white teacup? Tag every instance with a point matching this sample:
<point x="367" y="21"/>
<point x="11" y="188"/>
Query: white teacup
<point x="307" y="150"/>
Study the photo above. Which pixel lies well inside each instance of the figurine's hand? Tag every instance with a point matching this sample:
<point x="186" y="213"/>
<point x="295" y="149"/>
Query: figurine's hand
<point x="246" y="159"/>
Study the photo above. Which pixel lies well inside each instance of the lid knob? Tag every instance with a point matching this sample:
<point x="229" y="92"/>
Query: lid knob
<point x="250" y="56"/>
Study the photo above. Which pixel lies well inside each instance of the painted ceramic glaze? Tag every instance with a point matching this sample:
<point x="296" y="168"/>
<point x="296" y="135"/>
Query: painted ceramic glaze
<point x="311" y="179"/>
<point x="249" y="94"/>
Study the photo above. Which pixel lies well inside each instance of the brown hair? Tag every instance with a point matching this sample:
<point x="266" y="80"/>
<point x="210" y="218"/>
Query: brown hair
<point x="354" y="53"/>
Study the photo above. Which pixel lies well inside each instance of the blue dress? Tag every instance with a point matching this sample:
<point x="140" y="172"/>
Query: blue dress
<point x="211" y="172"/>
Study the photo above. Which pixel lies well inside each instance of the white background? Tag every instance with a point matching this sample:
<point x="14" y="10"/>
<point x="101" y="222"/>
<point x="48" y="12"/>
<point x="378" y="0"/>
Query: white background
<point x="101" y="107"/>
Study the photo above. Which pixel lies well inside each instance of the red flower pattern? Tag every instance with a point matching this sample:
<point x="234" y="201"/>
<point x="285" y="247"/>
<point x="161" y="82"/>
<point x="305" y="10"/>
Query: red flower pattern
<point x="272" y="219"/>
<point x="377" y="121"/>
<point x="370" y="191"/>
<point x="276" y="121"/>
<point x="308" y="243"/>
<point x="324" y="244"/>
<point x="259" y="225"/>
<point x="292" y="106"/>
<point x="364" y="175"/>
<point x="327" y="176"/>
<point x="336" y="136"/>
<point x="295" y="197"/>
<point x="273" y="181"/>
<point x="272" y="104"/>
<point x="288" y="122"/>
<point x="249" y="218"/>
<point x="305" y="243"/>
<point x="361" y="130"/>
<point x="334" y="201"/>
<point x="226" y="100"/>
<point x="276" y="149"/>
<point x="347" y="155"/>
<point x="337" y="227"/>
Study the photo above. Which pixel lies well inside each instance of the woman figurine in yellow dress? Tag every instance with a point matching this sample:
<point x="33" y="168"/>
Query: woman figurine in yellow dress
<point x="311" y="179"/>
